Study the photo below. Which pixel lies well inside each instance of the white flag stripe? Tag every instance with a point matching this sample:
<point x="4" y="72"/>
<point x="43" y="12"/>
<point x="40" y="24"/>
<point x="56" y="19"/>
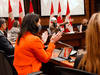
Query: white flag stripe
<point x="11" y="16"/>
<point x="67" y="17"/>
<point x="69" y="27"/>
<point x="21" y="15"/>
<point x="62" y="29"/>
<point x="52" y="15"/>
<point x="59" y="14"/>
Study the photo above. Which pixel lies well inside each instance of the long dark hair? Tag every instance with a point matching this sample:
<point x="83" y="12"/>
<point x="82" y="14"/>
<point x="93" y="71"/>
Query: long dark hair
<point x="29" y="24"/>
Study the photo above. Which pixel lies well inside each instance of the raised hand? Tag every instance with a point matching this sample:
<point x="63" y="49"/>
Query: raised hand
<point x="56" y="37"/>
<point x="44" y="37"/>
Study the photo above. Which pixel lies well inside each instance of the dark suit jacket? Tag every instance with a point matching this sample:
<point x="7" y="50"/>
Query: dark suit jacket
<point x="5" y="45"/>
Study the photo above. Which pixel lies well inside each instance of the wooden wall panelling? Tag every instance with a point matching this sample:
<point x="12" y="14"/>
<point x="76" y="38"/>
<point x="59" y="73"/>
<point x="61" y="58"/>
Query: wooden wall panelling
<point x="77" y="19"/>
<point x="92" y="7"/>
<point x="27" y="5"/>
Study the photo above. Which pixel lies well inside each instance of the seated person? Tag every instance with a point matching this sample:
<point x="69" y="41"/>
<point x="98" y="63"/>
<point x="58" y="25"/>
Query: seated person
<point x="29" y="47"/>
<point x="91" y="60"/>
<point x="5" y="45"/>
<point x="6" y="31"/>
<point x="14" y="31"/>
<point x="84" y="24"/>
<point x="55" y="27"/>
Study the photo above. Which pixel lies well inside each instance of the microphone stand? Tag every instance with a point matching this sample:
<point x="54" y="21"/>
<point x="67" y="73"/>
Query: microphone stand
<point x="66" y="44"/>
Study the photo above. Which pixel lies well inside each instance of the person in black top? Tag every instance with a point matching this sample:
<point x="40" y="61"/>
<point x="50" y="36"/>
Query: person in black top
<point x="91" y="60"/>
<point x="5" y="45"/>
<point x="84" y="24"/>
<point x="77" y="61"/>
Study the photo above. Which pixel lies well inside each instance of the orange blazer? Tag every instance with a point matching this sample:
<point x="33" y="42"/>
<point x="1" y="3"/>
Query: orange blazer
<point x="30" y="53"/>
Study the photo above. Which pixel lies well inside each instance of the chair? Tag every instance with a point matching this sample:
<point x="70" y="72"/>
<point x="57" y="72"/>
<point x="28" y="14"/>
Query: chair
<point x="69" y="71"/>
<point x="78" y="27"/>
<point x="37" y="73"/>
<point x="6" y="68"/>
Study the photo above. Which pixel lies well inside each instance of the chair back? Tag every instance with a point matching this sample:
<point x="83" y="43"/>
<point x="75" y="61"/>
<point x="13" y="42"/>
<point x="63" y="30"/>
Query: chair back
<point x="37" y="73"/>
<point x="78" y="27"/>
<point x="70" y="71"/>
<point x="6" y="68"/>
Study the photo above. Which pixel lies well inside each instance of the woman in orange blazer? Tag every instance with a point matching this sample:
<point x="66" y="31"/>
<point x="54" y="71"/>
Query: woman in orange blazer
<point x="29" y="47"/>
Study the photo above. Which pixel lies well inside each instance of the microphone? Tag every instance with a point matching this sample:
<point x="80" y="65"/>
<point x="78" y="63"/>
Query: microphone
<point x="66" y="44"/>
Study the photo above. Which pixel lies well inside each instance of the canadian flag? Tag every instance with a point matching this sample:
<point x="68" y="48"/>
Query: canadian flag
<point x="59" y="18"/>
<point x="31" y="7"/>
<point x="69" y="27"/>
<point x="11" y="17"/>
<point x="51" y="13"/>
<point x="21" y="14"/>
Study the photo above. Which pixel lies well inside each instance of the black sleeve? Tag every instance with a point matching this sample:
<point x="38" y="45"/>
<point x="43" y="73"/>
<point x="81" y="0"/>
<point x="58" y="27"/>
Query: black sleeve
<point x="77" y="61"/>
<point x="6" y="46"/>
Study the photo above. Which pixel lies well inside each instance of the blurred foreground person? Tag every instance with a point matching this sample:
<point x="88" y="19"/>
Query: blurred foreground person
<point x="91" y="60"/>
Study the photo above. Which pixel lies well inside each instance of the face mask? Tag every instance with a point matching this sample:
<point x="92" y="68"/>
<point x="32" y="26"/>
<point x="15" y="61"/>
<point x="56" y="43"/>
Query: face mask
<point x="39" y="28"/>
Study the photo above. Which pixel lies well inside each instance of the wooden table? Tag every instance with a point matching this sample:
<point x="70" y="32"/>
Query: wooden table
<point x="49" y="68"/>
<point x="73" y="39"/>
<point x="64" y="63"/>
